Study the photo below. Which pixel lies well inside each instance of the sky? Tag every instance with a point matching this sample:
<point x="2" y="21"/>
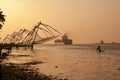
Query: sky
<point x="85" y="21"/>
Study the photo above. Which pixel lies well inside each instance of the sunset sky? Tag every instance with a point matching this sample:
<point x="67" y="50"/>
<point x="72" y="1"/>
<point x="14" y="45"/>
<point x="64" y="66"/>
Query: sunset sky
<point x="85" y="21"/>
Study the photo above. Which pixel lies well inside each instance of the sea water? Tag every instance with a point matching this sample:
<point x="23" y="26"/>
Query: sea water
<point x="74" y="62"/>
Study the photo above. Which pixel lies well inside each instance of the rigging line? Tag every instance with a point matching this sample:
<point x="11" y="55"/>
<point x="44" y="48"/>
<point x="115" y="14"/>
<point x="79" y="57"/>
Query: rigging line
<point x="46" y="31"/>
<point x="47" y="28"/>
<point x="45" y="39"/>
<point x="24" y="40"/>
<point x="39" y="36"/>
<point x="52" y="28"/>
<point x="19" y="34"/>
<point x="29" y="38"/>
<point x="5" y="38"/>
<point x="35" y="35"/>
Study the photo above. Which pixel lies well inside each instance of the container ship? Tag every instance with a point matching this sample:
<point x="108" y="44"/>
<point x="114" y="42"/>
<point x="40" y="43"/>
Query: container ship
<point x="65" y="40"/>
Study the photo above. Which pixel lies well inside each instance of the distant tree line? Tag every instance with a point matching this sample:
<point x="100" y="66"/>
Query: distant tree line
<point x="2" y="19"/>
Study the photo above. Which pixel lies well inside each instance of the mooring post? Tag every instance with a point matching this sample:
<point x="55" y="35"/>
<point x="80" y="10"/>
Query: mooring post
<point x="0" y="49"/>
<point x="32" y="46"/>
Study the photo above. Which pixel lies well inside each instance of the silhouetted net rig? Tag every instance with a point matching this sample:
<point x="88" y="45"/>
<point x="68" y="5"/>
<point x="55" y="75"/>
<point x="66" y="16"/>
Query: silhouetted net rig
<point x="24" y="38"/>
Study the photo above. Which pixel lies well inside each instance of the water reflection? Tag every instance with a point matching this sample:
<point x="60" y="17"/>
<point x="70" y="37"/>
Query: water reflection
<point x="72" y="62"/>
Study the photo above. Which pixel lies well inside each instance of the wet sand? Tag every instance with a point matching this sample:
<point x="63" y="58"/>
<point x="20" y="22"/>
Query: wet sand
<point x="20" y="72"/>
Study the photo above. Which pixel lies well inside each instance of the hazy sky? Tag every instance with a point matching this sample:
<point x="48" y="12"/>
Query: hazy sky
<point x="85" y="21"/>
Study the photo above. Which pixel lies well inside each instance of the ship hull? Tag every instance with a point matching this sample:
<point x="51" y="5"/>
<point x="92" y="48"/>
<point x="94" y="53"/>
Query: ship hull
<point x="66" y="42"/>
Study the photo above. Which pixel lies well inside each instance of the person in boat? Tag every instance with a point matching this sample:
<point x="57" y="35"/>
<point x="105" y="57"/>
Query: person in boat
<point x="99" y="49"/>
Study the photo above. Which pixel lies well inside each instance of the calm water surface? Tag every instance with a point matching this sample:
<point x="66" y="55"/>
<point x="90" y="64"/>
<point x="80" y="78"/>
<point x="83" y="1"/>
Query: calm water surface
<point x="74" y="62"/>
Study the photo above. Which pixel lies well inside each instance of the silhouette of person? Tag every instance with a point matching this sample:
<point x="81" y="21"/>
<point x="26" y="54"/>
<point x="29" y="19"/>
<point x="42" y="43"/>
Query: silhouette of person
<point x="99" y="48"/>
